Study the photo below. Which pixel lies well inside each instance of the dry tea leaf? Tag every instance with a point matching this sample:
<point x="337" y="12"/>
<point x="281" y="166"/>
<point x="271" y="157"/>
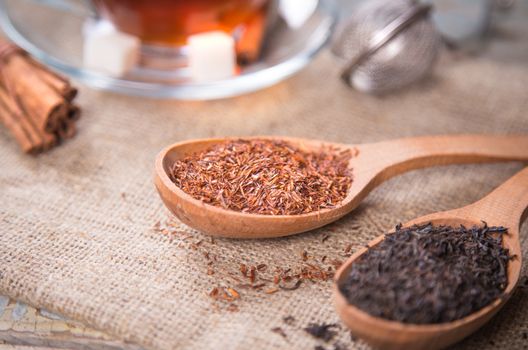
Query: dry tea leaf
<point x="304" y="255"/>
<point x="289" y="320"/>
<point x="252" y="274"/>
<point x="269" y="177"/>
<point x="243" y="269"/>
<point x="279" y="331"/>
<point x="272" y="290"/>
<point x="323" y="331"/>
<point x="214" y="293"/>
<point x="233" y="293"/>
<point x="448" y="273"/>
<point x="294" y="287"/>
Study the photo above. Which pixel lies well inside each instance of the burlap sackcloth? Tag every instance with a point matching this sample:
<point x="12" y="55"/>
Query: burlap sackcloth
<point x="78" y="225"/>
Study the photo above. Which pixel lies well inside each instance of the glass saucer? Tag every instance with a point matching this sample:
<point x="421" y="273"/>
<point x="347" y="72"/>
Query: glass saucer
<point x="55" y="38"/>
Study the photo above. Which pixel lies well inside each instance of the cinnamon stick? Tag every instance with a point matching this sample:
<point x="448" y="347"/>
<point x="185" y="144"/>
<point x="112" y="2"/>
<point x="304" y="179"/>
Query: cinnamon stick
<point x="36" y="103"/>
<point x="61" y="85"/>
<point x="16" y="116"/>
<point x="74" y="113"/>
<point x="66" y="129"/>
<point x="17" y="130"/>
<point x="45" y="104"/>
<point x="49" y="139"/>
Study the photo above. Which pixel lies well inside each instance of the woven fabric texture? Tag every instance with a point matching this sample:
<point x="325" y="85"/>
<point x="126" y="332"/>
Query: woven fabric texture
<point x="79" y="225"/>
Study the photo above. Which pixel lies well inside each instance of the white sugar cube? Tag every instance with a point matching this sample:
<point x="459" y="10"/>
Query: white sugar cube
<point x="297" y="12"/>
<point x="211" y="56"/>
<point x="93" y="26"/>
<point x="110" y="51"/>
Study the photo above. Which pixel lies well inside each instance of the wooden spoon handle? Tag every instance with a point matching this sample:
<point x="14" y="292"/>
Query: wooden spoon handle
<point x="506" y="205"/>
<point x="391" y="158"/>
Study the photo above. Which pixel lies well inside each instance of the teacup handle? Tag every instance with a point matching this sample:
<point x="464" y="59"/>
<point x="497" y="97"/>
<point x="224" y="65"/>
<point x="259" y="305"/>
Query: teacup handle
<point x="81" y="8"/>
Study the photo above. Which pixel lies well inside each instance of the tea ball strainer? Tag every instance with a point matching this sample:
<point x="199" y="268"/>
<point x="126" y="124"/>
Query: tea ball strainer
<point x="388" y="44"/>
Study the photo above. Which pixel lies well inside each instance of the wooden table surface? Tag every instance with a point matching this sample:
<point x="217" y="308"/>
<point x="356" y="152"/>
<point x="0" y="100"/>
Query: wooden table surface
<point x="24" y="327"/>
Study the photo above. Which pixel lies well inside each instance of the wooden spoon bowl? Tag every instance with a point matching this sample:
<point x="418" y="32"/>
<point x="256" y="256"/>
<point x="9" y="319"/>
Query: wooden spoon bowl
<point x="373" y="164"/>
<point x="222" y="222"/>
<point x="506" y="206"/>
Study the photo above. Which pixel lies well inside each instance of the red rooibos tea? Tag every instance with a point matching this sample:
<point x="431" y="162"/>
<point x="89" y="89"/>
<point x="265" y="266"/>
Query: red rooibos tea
<point x="170" y="22"/>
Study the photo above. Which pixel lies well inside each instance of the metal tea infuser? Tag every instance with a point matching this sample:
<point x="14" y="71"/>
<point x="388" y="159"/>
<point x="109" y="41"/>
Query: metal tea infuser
<point x="391" y="43"/>
<point x="388" y="44"/>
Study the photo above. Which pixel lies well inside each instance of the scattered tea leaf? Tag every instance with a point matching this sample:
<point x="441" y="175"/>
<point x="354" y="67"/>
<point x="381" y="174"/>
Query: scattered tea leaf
<point x="323" y="331"/>
<point x="294" y="287"/>
<point x="258" y="286"/>
<point x="243" y="270"/>
<point x="289" y="320"/>
<point x="214" y="292"/>
<point x="304" y="255"/>
<point x="233" y="293"/>
<point x="280" y="332"/>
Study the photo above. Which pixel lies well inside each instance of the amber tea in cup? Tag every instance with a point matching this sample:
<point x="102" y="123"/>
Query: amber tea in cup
<point x="171" y="22"/>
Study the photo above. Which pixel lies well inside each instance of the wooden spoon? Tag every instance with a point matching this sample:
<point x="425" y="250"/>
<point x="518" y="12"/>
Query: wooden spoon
<point x="374" y="163"/>
<point x="506" y="206"/>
